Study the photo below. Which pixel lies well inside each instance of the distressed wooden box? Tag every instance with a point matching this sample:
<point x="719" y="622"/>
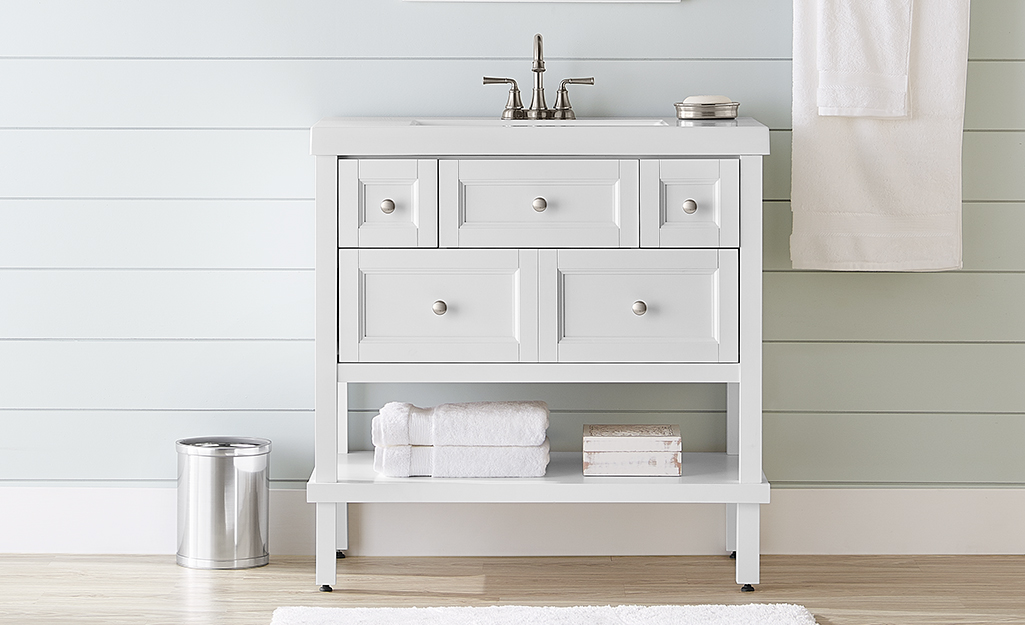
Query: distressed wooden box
<point x="649" y="450"/>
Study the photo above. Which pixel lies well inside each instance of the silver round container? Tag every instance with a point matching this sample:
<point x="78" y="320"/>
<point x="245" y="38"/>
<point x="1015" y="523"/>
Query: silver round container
<point x="223" y="497"/>
<point x="691" y="110"/>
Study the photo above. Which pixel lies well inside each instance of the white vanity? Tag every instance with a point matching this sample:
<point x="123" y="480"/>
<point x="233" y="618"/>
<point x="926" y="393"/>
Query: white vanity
<point x="601" y="251"/>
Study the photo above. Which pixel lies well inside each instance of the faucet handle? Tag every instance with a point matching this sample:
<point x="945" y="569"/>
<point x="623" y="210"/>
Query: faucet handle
<point x="563" y="109"/>
<point x="513" y="106"/>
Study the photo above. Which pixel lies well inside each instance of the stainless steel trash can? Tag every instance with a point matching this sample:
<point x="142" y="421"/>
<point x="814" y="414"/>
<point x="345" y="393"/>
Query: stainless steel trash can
<point x="223" y="492"/>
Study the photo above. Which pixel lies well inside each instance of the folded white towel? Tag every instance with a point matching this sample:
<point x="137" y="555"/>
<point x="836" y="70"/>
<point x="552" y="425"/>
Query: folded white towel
<point x="512" y="423"/>
<point x="455" y="461"/>
<point x="862" y="57"/>
<point x="882" y="194"/>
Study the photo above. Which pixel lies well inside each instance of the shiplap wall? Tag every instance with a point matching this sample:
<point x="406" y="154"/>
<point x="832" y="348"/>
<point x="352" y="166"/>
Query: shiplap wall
<point x="156" y="232"/>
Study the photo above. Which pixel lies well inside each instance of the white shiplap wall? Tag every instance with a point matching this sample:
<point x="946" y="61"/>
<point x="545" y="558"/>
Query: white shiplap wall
<point x="156" y="233"/>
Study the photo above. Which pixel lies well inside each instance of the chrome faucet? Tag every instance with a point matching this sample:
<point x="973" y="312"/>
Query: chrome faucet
<point x="538" y="109"/>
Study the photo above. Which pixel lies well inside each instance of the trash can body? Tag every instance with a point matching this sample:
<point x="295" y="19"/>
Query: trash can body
<point x="223" y="501"/>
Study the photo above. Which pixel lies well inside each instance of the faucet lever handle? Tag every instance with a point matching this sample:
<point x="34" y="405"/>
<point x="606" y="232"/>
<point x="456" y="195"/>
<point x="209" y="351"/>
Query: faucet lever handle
<point x="563" y="109"/>
<point x="513" y="106"/>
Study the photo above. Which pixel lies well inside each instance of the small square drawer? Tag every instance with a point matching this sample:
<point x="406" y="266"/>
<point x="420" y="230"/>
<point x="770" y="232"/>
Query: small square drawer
<point x="387" y="203"/>
<point x="437" y="305"/>
<point x="639" y="305"/>
<point x="690" y="203"/>
<point x="538" y="203"/>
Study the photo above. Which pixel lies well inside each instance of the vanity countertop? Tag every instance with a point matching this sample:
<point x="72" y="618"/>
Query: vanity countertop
<point x="451" y="136"/>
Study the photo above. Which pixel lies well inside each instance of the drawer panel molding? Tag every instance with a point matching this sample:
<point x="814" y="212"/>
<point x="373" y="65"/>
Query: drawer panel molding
<point x="690" y="203"/>
<point x="538" y="203"/>
<point x="437" y="305"/>
<point x="387" y="203"/>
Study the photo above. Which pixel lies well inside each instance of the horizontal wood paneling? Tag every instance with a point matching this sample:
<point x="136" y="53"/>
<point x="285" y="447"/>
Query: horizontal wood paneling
<point x="321" y="28"/>
<point x="261" y="93"/>
<point x="133" y="445"/>
<point x="894" y="448"/>
<point x="997" y="30"/>
<point x="776" y="166"/>
<point x="777" y="224"/>
<point x="995" y="95"/>
<point x="991" y="234"/>
<point x="194" y="234"/>
<point x="233" y="164"/>
<point x="992" y="166"/>
<point x="894" y="377"/>
<point x="127" y="304"/>
<point x="593" y="398"/>
<point x="274" y="93"/>
<point x="163" y="375"/>
<point x="854" y="306"/>
<point x="393" y="28"/>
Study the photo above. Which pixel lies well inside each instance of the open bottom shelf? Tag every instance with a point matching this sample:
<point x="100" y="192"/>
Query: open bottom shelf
<point x="707" y="478"/>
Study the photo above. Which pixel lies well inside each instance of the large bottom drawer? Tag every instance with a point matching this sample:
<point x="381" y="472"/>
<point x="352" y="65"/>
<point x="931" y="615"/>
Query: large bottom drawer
<point x="471" y="305"/>
<point x="437" y="305"/>
<point x="639" y="305"/>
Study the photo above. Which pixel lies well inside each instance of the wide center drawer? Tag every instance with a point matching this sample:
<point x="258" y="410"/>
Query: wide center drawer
<point x="538" y="203"/>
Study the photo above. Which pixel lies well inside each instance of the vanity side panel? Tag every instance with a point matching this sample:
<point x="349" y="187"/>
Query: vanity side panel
<point x="326" y="326"/>
<point x="749" y="406"/>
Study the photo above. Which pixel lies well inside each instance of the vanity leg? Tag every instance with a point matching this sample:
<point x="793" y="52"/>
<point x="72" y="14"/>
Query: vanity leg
<point x="731" y="529"/>
<point x="327" y="574"/>
<point x="747" y="545"/>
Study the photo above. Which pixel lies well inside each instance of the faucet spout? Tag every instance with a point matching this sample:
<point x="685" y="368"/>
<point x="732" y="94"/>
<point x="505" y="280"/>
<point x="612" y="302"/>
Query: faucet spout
<point x="538" y="109"/>
<point x="539" y="55"/>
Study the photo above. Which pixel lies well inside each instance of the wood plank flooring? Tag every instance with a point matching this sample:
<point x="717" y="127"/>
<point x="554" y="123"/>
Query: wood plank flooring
<point x="839" y="590"/>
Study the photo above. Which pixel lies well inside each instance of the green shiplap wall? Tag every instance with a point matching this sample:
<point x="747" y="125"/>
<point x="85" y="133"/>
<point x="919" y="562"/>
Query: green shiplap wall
<point x="156" y="232"/>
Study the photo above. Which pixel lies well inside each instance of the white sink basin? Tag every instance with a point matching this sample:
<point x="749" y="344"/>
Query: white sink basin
<point x="514" y="123"/>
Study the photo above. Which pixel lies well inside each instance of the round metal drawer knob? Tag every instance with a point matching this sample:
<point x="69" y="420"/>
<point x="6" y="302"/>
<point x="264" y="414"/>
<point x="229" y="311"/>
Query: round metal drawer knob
<point x="540" y="204"/>
<point x="440" y="307"/>
<point x="388" y="206"/>
<point x="640" y="308"/>
<point x="690" y="206"/>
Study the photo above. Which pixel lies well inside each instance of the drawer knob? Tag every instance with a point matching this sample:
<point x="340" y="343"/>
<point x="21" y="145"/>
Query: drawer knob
<point x="440" y="307"/>
<point x="690" y="206"/>
<point x="640" y="308"/>
<point x="540" y="204"/>
<point x="388" y="206"/>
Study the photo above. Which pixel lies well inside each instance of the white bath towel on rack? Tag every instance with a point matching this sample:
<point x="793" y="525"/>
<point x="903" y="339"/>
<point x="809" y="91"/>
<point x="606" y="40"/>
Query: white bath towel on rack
<point x="872" y="194"/>
<point x="495" y="423"/>
<point x="452" y="461"/>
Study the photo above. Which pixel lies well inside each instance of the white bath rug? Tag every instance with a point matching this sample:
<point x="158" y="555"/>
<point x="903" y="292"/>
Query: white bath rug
<point x="751" y="614"/>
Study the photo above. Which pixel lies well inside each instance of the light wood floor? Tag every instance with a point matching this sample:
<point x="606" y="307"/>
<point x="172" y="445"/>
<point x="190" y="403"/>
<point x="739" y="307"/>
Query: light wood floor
<point x="837" y="589"/>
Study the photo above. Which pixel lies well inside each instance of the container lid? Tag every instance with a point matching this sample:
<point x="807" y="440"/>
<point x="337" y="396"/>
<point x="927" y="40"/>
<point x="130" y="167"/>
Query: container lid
<point x="223" y="446"/>
<point x="634" y="437"/>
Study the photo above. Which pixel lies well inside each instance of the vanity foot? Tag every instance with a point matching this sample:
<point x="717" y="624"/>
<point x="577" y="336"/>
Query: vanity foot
<point x="747" y="588"/>
<point x="326" y="588"/>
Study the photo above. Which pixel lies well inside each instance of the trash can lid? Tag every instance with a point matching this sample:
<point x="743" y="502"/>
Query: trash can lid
<point x="223" y="446"/>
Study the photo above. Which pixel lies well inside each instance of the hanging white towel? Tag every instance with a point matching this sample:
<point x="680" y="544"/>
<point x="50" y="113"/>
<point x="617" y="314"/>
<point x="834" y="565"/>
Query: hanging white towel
<point x="862" y="57"/>
<point x="425" y="461"/>
<point x="516" y="423"/>
<point x="872" y="194"/>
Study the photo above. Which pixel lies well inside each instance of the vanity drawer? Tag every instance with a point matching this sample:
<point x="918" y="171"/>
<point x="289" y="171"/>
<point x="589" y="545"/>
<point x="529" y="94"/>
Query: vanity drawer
<point x="639" y="305"/>
<point x="538" y="203"/>
<point x="387" y="203"/>
<point x="690" y="203"/>
<point x="437" y="305"/>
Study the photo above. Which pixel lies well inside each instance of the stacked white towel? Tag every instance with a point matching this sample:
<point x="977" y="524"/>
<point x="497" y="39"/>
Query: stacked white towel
<point x="480" y="439"/>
